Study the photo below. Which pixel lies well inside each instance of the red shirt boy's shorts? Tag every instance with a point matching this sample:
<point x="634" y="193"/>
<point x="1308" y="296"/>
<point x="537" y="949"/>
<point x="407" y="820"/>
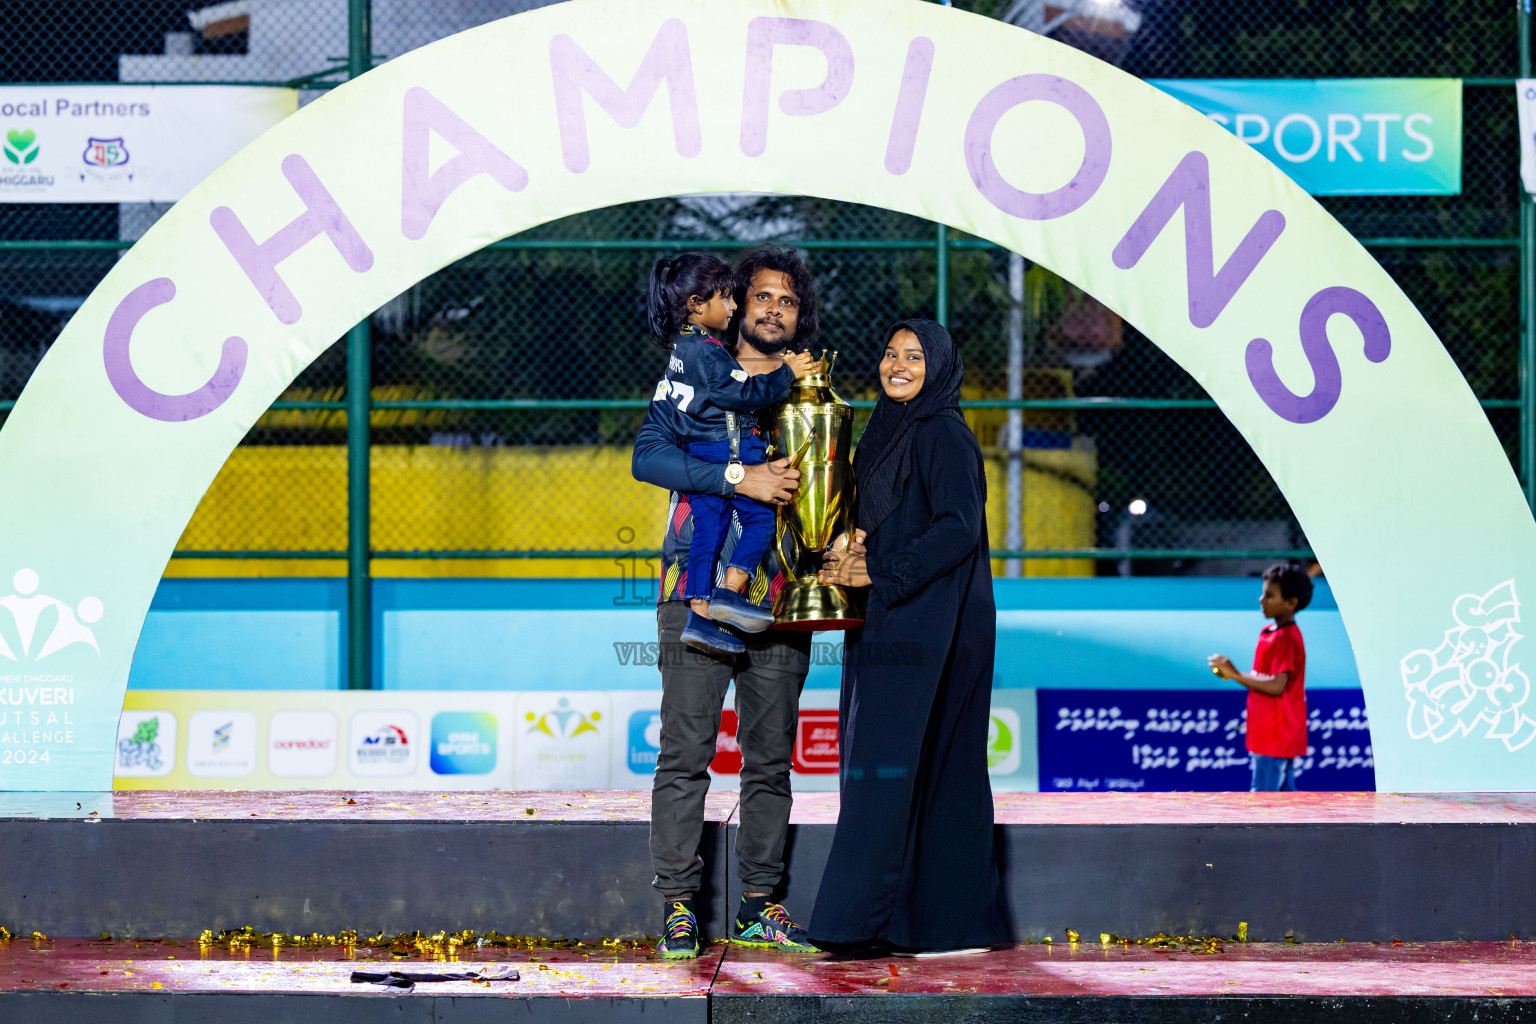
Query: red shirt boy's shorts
<point x="1277" y="726"/>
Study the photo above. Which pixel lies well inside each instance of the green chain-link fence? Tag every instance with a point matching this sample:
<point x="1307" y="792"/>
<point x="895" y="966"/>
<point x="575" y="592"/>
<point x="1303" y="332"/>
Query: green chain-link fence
<point x="521" y="372"/>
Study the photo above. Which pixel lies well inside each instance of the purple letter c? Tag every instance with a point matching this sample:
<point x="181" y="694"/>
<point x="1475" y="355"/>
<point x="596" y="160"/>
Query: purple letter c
<point x="140" y="397"/>
<point x="1072" y="98"/>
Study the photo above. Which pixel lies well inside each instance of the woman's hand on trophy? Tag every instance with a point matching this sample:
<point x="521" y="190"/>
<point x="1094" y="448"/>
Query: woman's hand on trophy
<point x="842" y="544"/>
<point x="772" y="483"/>
<point x="844" y="567"/>
<point x="802" y="364"/>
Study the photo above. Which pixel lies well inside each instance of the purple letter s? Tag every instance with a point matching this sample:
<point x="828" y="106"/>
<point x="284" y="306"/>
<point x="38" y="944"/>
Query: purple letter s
<point x="1324" y="396"/>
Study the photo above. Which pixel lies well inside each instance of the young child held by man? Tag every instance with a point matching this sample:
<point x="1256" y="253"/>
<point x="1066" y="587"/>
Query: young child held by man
<point x="1277" y="697"/>
<point x="708" y="401"/>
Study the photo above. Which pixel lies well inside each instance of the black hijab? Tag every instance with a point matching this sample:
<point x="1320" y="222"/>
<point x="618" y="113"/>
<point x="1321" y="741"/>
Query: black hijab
<point x="884" y="456"/>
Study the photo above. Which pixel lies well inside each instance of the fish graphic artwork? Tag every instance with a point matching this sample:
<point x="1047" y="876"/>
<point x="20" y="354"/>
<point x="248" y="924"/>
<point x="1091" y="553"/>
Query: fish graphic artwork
<point x="1472" y="682"/>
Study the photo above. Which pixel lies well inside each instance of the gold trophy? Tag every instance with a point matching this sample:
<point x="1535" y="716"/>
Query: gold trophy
<point x="814" y="430"/>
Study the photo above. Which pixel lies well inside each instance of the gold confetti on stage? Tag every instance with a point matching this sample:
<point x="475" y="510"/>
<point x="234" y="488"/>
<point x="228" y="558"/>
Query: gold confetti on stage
<point x="437" y="945"/>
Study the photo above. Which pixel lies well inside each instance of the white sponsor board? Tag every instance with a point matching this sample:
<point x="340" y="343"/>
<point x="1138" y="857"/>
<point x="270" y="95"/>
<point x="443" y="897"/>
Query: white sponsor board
<point x="125" y="143"/>
<point x="383" y="743"/>
<point x="146" y="744"/>
<point x="302" y="744"/>
<point x="474" y="740"/>
<point x="221" y="744"/>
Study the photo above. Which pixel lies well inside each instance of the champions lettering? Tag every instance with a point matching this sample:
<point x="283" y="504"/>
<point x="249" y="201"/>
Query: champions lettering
<point x="1185" y="191"/>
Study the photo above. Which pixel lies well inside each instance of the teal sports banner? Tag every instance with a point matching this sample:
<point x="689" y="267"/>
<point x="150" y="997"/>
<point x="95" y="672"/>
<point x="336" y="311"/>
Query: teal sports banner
<point x="1307" y="345"/>
<point x="1343" y="136"/>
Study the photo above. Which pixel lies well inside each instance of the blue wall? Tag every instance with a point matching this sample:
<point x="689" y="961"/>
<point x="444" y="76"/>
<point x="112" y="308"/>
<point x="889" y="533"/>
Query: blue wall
<point x="480" y="634"/>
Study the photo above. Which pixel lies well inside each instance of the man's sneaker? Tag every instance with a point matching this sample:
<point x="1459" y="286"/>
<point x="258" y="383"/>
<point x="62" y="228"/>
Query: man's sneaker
<point x="680" y="936"/>
<point x="736" y="611"/>
<point x="710" y="638"/>
<point x="770" y="928"/>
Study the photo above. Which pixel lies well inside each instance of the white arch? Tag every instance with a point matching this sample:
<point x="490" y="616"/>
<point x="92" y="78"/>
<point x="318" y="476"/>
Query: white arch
<point x="1306" y="344"/>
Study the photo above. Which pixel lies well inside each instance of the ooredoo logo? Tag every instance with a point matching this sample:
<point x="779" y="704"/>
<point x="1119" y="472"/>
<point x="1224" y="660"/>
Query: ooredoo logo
<point x="301" y="744"/>
<point x="383" y="743"/>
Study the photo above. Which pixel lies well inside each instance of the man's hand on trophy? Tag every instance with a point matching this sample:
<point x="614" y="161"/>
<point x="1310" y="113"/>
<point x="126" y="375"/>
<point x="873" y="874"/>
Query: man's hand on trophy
<point x="802" y="364"/>
<point x="845" y="567"/>
<point x="772" y="483"/>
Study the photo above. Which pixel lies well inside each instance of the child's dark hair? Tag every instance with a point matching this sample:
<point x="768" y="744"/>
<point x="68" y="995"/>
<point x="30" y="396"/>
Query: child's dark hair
<point x="674" y="281"/>
<point x="1291" y="579"/>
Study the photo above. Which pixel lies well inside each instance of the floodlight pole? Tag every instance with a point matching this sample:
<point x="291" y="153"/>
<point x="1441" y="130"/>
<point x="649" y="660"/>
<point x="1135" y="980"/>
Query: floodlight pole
<point x="359" y="389"/>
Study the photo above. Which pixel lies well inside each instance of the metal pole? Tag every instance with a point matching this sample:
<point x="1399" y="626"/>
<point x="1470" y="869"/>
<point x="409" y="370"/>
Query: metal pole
<point x="941" y="286"/>
<point x="359" y="385"/>
<point x="1015" y="439"/>
<point x="1527" y="295"/>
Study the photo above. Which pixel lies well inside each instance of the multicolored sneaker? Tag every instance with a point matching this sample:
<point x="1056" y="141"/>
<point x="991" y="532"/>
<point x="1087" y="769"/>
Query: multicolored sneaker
<point x="770" y="928"/>
<point x="681" y="932"/>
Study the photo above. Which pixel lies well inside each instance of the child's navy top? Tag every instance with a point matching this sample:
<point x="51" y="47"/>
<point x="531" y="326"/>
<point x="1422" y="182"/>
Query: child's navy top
<point x="703" y="382"/>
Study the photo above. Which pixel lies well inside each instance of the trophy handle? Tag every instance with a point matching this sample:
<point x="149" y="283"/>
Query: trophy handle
<point x="800" y="453"/>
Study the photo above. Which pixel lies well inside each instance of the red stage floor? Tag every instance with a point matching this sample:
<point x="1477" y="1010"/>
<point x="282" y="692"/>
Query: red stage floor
<point x="1463" y="969"/>
<point x="809" y="808"/>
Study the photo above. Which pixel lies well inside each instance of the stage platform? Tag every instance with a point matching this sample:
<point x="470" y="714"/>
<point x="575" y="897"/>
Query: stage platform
<point x="65" y="981"/>
<point x="1311" y="866"/>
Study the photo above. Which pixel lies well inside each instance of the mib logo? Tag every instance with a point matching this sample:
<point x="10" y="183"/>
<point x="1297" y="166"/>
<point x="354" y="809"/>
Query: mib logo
<point x="23" y="639"/>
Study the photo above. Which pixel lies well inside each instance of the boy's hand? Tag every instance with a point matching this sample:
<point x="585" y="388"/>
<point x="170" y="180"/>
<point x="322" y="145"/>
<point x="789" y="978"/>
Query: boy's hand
<point x="802" y="364"/>
<point x="1222" y="666"/>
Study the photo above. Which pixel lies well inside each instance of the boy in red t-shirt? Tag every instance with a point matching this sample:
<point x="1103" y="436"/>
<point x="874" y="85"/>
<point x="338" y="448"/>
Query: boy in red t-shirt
<point x="1277" y="696"/>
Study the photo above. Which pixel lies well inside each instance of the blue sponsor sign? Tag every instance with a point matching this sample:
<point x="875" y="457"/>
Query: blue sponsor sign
<point x="1343" y="136"/>
<point x="463" y="743"/>
<point x="644" y="741"/>
<point x="1166" y="740"/>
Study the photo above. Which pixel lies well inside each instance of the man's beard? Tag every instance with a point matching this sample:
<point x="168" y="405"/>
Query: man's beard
<point x="767" y="346"/>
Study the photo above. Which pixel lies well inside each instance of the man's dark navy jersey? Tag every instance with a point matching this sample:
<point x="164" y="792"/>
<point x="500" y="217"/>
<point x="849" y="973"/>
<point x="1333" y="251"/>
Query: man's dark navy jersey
<point x="704" y="382"/>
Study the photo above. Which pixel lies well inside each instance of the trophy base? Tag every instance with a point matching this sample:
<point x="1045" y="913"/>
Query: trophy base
<point x="810" y="606"/>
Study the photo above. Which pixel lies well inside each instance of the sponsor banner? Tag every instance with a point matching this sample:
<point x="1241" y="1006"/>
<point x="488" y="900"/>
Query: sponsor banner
<point x="1343" y="136"/>
<point x="302" y="744"/>
<point x="146" y="744"/>
<point x="221" y="744"/>
<point x="125" y="143"/>
<point x="1142" y="740"/>
<point x="563" y="740"/>
<point x="577" y="740"/>
<point x="383" y="743"/>
<point x="1525" y="104"/>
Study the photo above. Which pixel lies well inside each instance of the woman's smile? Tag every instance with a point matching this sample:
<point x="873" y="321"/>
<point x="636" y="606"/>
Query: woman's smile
<point x="902" y="367"/>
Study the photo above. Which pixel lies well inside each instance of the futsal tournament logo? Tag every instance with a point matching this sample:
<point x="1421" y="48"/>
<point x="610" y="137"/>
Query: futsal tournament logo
<point x="1472" y="683"/>
<point x="27" y="608"/>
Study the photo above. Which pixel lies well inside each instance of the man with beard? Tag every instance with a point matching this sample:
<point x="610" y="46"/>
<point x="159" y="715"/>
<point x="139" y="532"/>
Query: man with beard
<point x="776" y="307"/>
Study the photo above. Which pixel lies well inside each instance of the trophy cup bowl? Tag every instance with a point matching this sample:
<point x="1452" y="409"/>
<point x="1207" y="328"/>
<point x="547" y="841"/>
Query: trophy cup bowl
<point x="814" y="430"/>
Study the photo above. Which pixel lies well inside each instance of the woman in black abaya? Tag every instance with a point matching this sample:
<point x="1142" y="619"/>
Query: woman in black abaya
<point x="912" y="863"/>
